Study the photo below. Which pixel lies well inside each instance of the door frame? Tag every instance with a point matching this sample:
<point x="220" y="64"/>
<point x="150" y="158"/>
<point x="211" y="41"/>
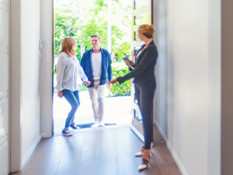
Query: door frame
<point x="46" y="73"/>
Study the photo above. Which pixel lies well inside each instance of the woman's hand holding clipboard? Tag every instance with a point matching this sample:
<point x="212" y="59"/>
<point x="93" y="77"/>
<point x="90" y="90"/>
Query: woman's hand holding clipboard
<point x="128" y="62"/>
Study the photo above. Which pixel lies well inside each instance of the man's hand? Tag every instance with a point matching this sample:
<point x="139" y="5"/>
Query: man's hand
<point x="87" y="83"/>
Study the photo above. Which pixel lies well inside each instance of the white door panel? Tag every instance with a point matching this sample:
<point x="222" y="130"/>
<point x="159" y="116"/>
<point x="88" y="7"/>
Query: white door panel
<point x="4" y="86"/>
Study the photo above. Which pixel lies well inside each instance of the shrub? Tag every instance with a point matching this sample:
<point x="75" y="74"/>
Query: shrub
<point x="120" y="89"/>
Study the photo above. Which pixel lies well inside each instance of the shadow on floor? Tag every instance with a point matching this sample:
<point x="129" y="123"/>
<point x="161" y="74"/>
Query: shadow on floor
<point x="88" y="125"/>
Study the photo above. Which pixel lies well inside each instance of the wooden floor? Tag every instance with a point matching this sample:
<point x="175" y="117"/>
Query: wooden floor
<point x="97" y="151"/>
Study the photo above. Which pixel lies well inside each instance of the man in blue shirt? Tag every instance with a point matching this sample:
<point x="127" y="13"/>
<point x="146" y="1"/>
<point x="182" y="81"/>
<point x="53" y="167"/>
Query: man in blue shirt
<point x="96" y="64"/>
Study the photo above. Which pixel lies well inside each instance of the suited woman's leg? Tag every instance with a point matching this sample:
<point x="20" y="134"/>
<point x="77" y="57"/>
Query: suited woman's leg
<point x="137" y="96"/>
<point x="146" y="107"/>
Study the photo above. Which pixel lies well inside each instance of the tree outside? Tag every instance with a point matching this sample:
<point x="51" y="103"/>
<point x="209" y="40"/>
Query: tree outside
<point x="111" y="19"/>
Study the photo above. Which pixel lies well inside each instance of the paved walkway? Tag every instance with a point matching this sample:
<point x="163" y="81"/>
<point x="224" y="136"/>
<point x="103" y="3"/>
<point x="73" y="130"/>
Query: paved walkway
<point x="118" y="110"/>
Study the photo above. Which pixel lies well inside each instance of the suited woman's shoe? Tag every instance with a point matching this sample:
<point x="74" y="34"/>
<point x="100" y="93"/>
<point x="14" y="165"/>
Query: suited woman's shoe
<point x="140" y="153"/>
<point x="144" y="165"/>
<point x="145" y="160"/>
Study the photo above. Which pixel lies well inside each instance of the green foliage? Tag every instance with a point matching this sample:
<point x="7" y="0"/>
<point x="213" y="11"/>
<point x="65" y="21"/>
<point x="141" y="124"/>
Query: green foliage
<point x="83" y="88"/>
<point x="121" y="51"/>
<point x="100" y="4"/>
<point x="92" y="27"/>
<point x="120" y="89"/>
<point x="81" y="20"/>
<point x="94" y="20"/>
<point x="64" y="26"/>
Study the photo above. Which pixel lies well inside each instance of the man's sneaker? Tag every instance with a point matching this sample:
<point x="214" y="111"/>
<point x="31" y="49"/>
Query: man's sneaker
<point x="95" y="125"/>
<point x="72" y="125"/>
<point x="101" y="124"/>
<point x="66" y="132"/>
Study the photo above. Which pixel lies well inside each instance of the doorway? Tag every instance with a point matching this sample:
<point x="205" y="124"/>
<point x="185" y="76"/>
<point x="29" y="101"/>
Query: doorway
<point x="81" y="20"/>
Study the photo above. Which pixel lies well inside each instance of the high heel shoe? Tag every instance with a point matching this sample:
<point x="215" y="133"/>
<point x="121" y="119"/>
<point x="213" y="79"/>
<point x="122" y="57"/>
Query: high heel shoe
<point x="144" y="165"/>
<point x="140" y="153"/>
<point x="145" y="160"/>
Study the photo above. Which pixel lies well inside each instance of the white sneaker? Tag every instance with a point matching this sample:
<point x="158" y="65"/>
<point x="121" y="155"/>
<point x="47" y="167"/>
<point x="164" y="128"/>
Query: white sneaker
<point x="66" y="132"/>
<point x="101" y="124"/>
<point x="95" y="125"/>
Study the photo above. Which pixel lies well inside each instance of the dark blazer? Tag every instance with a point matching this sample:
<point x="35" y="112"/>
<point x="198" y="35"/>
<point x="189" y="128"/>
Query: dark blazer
<point x="106" y="66"/>
<point x="144" y="69"/>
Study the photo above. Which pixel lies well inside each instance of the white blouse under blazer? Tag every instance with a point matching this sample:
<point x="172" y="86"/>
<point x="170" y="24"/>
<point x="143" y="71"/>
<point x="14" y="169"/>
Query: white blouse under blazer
<point x="69" y="73"/>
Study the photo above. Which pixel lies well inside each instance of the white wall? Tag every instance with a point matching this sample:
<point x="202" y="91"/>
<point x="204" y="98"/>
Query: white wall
<point x="25" y="101"/>
<point x="193" y="83"/>
<point x="30" y="33"/>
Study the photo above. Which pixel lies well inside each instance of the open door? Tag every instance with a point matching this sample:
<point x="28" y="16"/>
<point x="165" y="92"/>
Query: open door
<point x="142" y="14"/>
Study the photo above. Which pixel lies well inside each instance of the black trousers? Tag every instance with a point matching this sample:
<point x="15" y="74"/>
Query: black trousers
<point x="144" y="94"/>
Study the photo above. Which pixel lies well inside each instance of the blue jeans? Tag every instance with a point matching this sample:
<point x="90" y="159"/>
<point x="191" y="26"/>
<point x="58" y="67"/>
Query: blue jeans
<point x="73" y="98"/>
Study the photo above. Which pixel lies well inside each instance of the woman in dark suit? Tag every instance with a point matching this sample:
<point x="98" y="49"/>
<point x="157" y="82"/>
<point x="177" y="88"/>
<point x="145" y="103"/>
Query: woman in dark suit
<point x="145" y="85"/>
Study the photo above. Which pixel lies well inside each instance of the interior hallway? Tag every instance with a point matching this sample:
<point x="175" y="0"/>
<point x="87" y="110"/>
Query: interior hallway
<point x="194" y="95"/>
<point x="98" y="151"/>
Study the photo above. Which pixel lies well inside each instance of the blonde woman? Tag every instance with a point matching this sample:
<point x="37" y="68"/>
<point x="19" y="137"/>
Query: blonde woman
<point x="69" y="74"/>
<point x="145" y="85"/>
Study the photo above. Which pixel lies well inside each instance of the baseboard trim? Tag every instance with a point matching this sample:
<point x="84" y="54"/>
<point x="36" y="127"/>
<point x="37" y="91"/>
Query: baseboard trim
<point x="30" y="151"/>
<point x="172" y="151"/>
<point x="45" y="135"/>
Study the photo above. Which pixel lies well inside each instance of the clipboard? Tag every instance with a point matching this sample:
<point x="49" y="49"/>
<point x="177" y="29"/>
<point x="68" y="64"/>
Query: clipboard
<point x="125" y="58"/>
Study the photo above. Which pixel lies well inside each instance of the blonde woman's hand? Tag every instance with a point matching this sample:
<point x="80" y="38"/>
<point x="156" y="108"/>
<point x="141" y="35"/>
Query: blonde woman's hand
<point x="60" y="94"/>
<point x="87" y="83"/>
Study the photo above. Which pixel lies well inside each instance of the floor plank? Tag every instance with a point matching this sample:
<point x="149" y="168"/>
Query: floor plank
<point x="97" y="151"/>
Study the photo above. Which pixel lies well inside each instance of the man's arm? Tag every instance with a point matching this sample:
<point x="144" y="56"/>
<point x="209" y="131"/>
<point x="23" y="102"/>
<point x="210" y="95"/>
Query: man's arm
<point x="83" y="62"/>
<point x="109" y="68"/>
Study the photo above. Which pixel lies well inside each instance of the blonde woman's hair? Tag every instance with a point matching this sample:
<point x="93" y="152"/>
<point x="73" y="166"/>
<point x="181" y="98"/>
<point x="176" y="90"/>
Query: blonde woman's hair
<point x="146" y="30"/>
<point x="67" y="46"/>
